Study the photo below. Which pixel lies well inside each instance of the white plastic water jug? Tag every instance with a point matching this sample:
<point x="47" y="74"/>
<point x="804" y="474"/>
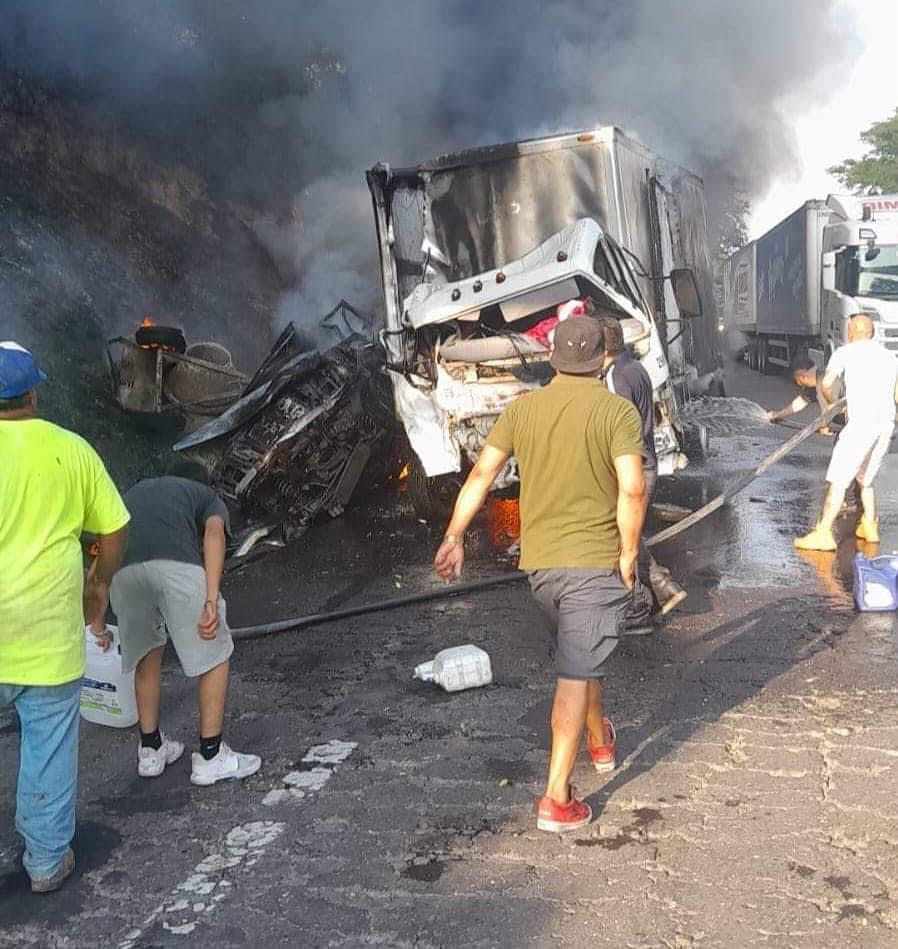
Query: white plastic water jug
<point x="462" y="667"/>
<point x="107" y="693"/>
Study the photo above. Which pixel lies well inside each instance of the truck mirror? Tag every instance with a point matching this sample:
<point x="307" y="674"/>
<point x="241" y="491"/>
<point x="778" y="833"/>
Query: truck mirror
<point x="685" y="291"/>
<point x="828" y="273"/>
<point x="872" y="252"/>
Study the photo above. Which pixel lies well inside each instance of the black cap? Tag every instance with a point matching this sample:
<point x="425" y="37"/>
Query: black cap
<point x="579" y="346"/>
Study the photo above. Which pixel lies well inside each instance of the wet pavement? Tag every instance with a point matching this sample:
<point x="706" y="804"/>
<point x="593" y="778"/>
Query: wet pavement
<point x="756" y="743"/>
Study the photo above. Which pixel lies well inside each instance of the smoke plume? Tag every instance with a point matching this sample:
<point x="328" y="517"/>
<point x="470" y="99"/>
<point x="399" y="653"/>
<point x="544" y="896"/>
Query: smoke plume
<point x="280" y="105"/>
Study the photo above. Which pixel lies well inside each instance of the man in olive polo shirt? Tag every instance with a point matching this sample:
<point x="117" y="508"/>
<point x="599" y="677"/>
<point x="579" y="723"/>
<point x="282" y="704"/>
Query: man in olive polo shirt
<point x="579" y="451"/>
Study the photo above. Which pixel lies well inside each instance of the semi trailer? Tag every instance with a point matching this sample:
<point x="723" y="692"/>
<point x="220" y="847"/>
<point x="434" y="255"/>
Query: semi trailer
<point x="792" y="291"/>
<point x="479" y="248"/>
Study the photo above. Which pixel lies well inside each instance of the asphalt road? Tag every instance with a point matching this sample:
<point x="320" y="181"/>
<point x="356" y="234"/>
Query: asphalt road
<point x="757" y="744"/>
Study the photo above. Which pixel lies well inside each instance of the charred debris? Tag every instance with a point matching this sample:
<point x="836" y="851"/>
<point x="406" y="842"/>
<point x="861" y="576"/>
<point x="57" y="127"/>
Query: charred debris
<point x="313" y="426"/>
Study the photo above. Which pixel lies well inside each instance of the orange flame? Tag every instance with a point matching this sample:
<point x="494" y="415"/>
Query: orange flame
<point x="503" y="515"/>
<point x="404" y="473"/>
<point x="146" y="321"/>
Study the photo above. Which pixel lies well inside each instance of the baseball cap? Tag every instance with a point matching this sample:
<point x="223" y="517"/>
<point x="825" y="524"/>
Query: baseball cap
<point x="579" y="346"/>
<point x="19" y="371"/>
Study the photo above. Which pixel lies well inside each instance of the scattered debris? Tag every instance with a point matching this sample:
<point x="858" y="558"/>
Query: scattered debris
<point x="308" y="429"/>
<point x="160" y="380"/>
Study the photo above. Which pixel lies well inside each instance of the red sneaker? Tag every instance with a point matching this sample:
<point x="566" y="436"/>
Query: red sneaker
<point x="603" y="755"/>
<point x="555" y="817"/>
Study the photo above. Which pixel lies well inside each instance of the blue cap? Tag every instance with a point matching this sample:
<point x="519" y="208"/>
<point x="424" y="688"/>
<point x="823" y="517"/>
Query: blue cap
<point x="19" y="371"/>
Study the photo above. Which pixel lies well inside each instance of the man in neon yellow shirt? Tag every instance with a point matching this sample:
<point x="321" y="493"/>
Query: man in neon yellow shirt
<point x="53" y="487"/>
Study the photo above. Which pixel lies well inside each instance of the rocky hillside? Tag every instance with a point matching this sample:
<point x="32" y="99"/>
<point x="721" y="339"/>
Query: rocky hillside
<point x="94" y="234"/>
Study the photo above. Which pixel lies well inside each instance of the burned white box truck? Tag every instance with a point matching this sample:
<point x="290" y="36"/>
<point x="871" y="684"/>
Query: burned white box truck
<point x="477" y="249"/>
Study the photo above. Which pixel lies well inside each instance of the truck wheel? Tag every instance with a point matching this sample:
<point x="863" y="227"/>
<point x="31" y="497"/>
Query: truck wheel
<point x="432" y="498"/>
<point x="763" y="364"/>
<point x="752" y="355"/>
<point x="695" y="441"/>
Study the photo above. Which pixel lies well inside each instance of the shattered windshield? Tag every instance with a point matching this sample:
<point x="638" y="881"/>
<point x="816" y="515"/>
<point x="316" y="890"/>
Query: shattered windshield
<point x="878" y="277"/>
<point x="609" y="264"/>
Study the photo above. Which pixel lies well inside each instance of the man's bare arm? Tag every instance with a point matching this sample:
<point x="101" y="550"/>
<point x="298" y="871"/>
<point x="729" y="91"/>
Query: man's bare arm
<point x="110" y="552"/>
<point x="829" y="380"/>
<point x="450" y="557"/>
<point x="214" y="545"/>
<point x="631" y="505"/>
<point x="798" y="404"/>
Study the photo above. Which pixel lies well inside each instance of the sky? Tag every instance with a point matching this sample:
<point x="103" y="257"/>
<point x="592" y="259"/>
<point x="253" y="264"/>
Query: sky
<point x="830" y="132"/>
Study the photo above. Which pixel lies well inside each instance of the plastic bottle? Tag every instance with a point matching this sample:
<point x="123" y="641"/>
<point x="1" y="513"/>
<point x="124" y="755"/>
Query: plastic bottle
<point x="461" y="667"/>
<point x="107" y="693"/>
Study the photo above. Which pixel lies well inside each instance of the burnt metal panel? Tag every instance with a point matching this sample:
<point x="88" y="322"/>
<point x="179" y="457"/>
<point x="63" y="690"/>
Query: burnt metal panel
<point x="467" y="213"/>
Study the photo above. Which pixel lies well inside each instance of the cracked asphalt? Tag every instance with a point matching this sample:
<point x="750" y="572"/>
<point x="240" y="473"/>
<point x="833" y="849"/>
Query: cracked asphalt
<point x="757" y="742"/>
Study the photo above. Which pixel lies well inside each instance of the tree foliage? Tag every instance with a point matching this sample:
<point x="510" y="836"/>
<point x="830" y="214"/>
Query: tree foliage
<point x="877" y="171"/>
<point x="729" y="232"/>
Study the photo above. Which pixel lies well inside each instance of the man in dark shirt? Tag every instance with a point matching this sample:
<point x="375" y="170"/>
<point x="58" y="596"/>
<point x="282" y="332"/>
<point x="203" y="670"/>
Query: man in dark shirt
<point x="167" y="586"/>
<point x="628" y="378"/>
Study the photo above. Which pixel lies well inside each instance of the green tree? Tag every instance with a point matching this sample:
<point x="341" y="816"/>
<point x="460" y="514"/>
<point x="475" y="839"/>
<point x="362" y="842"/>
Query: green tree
<point x="877" y="171"/>
<point x="729" y="232"/>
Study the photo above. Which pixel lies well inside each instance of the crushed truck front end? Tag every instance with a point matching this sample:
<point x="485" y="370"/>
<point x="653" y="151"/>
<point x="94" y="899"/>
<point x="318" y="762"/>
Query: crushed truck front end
<point x="478" y="248"/>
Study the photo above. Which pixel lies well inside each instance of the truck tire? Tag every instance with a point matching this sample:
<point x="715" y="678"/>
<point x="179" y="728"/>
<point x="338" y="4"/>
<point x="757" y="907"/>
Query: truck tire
<point x="695" y="441"/>
<point x="432" y="498"/>
<point x="763" y="366"/>
<point x="166" y="336"/>
<point x="752" y="355"/>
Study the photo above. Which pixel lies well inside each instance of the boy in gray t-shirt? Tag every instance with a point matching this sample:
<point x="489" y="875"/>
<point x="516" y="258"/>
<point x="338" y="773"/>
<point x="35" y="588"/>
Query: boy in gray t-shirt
<point x="169" y="587"/>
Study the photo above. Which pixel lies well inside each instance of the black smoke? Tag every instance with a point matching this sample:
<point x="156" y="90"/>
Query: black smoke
<point x="281" y="104"/>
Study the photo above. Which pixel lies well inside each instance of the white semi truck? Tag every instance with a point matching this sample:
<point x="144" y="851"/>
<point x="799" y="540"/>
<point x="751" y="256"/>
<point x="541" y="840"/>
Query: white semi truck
<point x="478" y="248"/>
<point x="794" y="289"/>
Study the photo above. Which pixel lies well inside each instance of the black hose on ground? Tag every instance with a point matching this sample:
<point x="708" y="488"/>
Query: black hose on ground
<point x="454" y="589"/>
<point x="437" y="593"/>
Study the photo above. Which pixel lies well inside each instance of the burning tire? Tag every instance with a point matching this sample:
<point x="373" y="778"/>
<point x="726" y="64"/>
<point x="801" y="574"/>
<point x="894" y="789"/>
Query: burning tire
<point x="163" y="337"/>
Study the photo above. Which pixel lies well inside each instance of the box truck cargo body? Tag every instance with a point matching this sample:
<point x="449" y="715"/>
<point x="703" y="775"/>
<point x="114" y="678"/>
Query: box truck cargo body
<point x="793" y="290"/>
<point x="477" y="248"/>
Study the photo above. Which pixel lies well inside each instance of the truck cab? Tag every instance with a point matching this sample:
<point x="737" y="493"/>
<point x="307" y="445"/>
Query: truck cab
<point x="860" y="267"/>
<point x="474" y="352"/>
<point x="478" y="249"/>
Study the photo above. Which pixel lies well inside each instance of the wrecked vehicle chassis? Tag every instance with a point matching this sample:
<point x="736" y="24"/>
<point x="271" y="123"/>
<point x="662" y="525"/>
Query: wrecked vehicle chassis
<point x="309" y="430"/>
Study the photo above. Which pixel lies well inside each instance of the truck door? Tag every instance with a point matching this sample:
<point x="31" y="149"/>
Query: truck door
<point x="669" y="318"/>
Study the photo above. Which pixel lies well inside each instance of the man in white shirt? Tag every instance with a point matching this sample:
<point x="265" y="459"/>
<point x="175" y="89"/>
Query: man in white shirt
<point x="870" y="374"/>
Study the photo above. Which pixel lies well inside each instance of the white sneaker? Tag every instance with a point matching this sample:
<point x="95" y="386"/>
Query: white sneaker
<point x="151" y="762"/>
<point x="226" y="764"/>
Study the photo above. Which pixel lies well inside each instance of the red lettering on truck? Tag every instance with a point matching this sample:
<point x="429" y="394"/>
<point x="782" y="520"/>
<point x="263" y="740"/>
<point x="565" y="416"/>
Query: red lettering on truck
<point x="881" y="205"/>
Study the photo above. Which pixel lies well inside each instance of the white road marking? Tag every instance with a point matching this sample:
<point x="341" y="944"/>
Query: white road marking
<point x="204" y="889"/>
<point x="242" y="846"/>
<point x="299" y="784"/>
<point x="331" y="753"/>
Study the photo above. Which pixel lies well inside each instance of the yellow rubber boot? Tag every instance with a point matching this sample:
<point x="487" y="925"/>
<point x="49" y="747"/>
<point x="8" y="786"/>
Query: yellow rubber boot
<point x="820" y="538"/>
<point x="868" y="530"/>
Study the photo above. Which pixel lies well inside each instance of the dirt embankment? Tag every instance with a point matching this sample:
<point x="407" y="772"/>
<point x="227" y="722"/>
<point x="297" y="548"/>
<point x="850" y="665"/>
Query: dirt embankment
<point x="93" y="235"/>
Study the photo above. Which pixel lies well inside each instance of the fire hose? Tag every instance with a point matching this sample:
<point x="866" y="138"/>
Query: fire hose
<point x="455" y="589"/>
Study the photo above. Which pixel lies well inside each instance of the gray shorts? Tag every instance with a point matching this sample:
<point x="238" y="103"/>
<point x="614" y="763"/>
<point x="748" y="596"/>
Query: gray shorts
<point x="585" y="609"/>
<point x="164" y="595"/>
